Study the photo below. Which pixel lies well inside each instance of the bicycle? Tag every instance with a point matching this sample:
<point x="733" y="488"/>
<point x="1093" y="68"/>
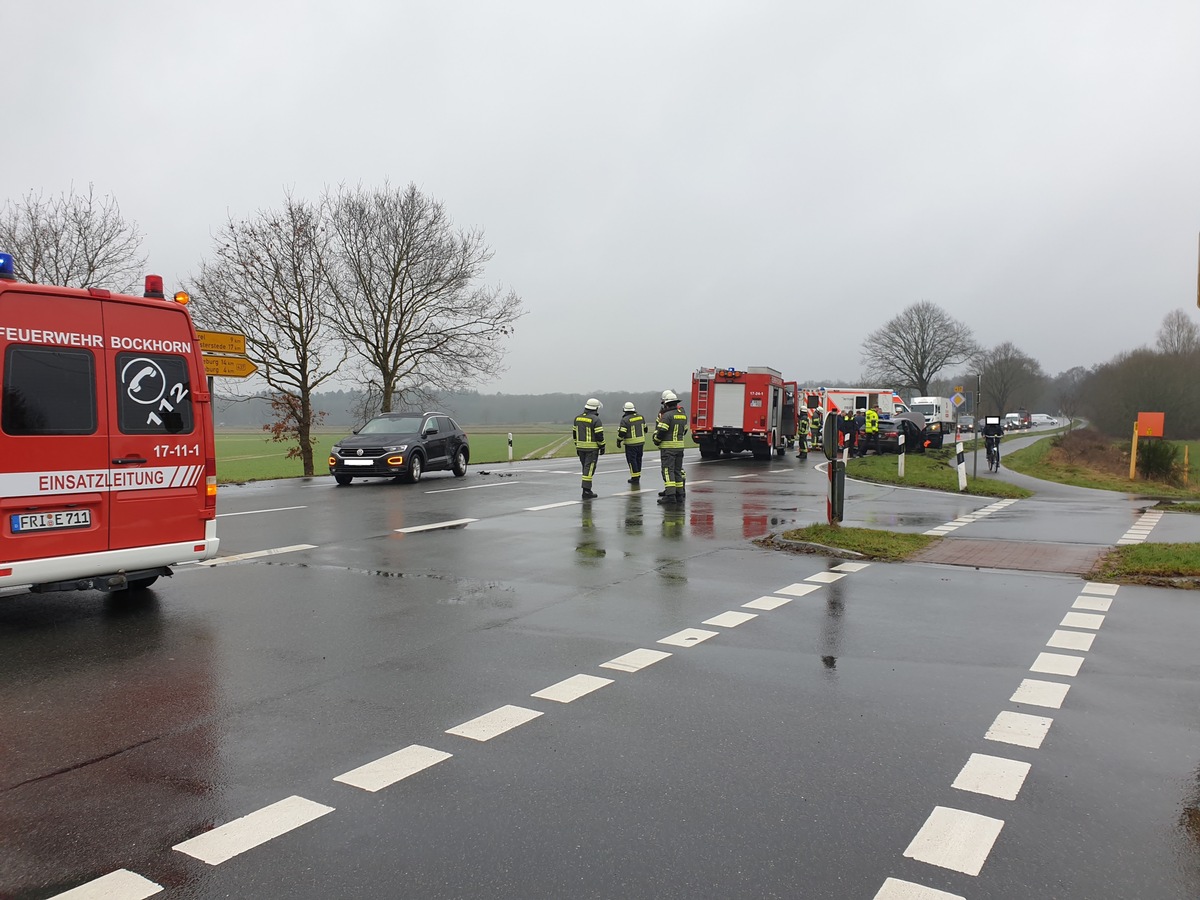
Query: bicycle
<point x="993" y="452"/>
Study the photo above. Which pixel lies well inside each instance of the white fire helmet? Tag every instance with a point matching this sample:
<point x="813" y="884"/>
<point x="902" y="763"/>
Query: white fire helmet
<point x="592" y="404"/>
<point x="629" y="407"/>
<point x="669" y="397"/>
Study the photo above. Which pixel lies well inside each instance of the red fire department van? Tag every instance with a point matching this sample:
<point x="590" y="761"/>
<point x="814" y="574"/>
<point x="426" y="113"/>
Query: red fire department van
<point x="107" y="463"/>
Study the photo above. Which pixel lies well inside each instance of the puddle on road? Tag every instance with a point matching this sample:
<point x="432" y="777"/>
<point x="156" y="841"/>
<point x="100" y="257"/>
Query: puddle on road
<point x="909" y="520"/>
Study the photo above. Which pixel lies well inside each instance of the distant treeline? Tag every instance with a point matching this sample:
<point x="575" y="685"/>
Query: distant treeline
<point x="470" y="408"/>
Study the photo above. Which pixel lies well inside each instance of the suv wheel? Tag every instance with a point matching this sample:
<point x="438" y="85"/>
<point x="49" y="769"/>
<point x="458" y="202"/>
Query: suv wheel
<point x="460" y="463"/>
<point x="415" y="467"/>
<point x="342" y="479"/>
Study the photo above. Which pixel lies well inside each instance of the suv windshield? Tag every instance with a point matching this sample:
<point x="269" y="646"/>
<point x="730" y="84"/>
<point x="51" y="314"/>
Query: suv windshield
<point x="392" y="425"/>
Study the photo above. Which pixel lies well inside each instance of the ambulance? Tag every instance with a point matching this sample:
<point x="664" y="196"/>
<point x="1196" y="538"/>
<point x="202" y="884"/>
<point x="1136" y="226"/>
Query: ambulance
<point x="107" y="463"/>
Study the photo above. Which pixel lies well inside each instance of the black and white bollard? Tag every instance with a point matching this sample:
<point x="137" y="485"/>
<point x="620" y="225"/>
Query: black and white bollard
<point x="510" y="446"/>
<point x="962" y="462"/>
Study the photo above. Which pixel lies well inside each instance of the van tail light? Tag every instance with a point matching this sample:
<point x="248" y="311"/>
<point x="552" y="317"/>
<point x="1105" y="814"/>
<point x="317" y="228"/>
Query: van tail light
<point x="210" y="482"/>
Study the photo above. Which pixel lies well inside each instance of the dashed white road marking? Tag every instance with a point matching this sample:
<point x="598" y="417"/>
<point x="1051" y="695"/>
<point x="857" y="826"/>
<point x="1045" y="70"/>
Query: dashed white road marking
<point x="572" y="688"/>
<point x="1071" y="640"/>
<point x="387" y="770"/>
<point x="635" y="660"/>
<point x="435" y="526"/>
<point x="473" y="487"/>
<point x="1041" y="693"/>
<point x="119" y="885"/>
<point x="255" y="512"/>
<point x="895" y="889"/>
<point x="798" y="590"/>
<point x="495" y="723"/>
<point x="1021" y="729"/>
<point x="992" y="775"/>
<point x="730" y="619"/>
<point x="826" y="577"/>
<point x="850" y="567"/>
<point x="233" y="838"/>
<point x="1057" y="664"/>
<point x="257" y="554"/>
<point x="750" y="475"/>
<point x="689" y="637"/>
<point x="955" y="839"/>
<point x="767" y="603"/>
<point x="1099" y="587"/>
<point x="552" y="506"/>
<point x="1100" y="604"/>
<point x="1082" y="620"/>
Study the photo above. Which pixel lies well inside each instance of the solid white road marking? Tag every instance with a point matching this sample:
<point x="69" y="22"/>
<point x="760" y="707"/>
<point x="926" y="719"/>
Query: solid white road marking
<point x="552" y="506"/>
<point x="798" y="590"/>
<point x="119" y="885"/>
<point x="1041" y="693"/>
<point x="1099" y="604"/>
<point x="826" y="577"/>
<point x="472" y="487"/>
<point x="992" y="775"/>
<point x="572" y="688"/>
<point x="1099" y="587"/>
<point x="257" y="554"/>
<point x="1057" y="664"/>
<point x="387" y="770"/>
<point x="497" y="722"/>
<point x="1082" y="620"/>
<point x="850" y="567"/>
<point x="1071" y="640"/>
<point x="435" y="526"/>
<point x="233" y="838"/>
<point x="895" y="889"/>
<point x="1021" y="729"/>
<point x="635" y="660"/>
<point x="736" y="477"/>
<point x="767" y="603"/>
<point x="254" y="512"/>
<point x="955" y="839"/>
<point x="730" y="619"/>
<point x="689" y="637"/>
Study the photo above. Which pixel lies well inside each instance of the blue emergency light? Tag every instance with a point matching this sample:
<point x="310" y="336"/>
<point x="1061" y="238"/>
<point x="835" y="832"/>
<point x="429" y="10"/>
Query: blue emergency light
<point x="6" y="267"/>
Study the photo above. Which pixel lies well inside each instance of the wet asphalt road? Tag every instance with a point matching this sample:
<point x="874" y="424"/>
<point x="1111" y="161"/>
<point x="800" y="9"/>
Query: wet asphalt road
<point x="800" y="753"/>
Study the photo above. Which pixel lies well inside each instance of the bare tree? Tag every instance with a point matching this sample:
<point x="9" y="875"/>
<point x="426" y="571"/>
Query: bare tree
<point x="76" y="240"/>
<point x="1068" y="392"/>
<point x="1009" y="377"/>
<point x="409" y="304"/>
<point x="267" y="280"/>
<point x="910" y="350"/>
<point x="1178" y="333"/>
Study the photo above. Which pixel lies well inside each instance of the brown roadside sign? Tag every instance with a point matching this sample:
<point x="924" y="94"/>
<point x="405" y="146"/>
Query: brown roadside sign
<point x="221" y="342"/>
<point x="228" y="366"/>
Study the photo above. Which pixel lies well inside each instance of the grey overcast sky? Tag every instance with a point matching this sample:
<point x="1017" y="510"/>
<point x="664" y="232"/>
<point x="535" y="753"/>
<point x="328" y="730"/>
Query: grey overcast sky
<point x="666" y="185"/>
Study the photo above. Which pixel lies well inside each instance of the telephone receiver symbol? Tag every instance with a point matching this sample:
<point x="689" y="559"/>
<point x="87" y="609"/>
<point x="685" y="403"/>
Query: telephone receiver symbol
<point x="137" y="379"/>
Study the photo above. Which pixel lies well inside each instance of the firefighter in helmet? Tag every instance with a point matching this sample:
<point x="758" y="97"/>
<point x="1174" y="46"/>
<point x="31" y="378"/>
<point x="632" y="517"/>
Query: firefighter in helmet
<point x="632" y="434"/>
<point x="802" y="431"/>
<point x="588" y="433"/>
<point x="669" y="433"/>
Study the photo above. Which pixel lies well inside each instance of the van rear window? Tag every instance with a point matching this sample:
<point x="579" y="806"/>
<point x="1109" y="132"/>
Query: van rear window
<point x="154" y="394"/>
<point x="48" y="390"/>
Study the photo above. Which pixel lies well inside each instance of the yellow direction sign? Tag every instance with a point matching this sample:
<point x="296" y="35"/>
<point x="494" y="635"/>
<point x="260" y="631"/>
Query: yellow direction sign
<point x="221" y="342"/>
<point x="228" y="366"/>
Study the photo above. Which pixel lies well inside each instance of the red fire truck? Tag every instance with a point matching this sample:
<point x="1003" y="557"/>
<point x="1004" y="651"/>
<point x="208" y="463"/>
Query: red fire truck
<point x="734" y="410"/>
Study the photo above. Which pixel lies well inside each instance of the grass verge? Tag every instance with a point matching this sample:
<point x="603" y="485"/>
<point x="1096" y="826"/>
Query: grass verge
<point x="1163" y="565"/>
<point x="866" y="542"/>
<point x="1039" y="461"/>
<point x="931" y="470"/>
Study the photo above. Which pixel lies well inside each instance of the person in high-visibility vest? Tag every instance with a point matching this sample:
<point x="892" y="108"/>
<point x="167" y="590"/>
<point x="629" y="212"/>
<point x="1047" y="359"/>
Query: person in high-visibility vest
<point x="632" y="434"/>
<point x="870" y="431"/>
<point x="668" y="436"/>
<point x="802" y="430"/>
<point x="588" y="433"/>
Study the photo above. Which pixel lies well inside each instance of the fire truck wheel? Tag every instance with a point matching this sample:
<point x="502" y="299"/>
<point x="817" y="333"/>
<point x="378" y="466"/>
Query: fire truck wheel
<point x="342" y="479"/>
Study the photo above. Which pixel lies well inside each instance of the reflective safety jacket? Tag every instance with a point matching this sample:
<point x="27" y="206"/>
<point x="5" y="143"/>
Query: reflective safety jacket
<point x="872" y="422"/>
<point x="632" y="429"/>
<point x="802" y="426"/>
<point x="588" y="432"/>
<point x="671" y="429"/>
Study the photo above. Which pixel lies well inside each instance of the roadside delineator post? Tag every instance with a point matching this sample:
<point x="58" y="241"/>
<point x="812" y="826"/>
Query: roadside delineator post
<point x="510" y="446"/>
<point x="962" y="461"/>
<point x="900" y="461"/>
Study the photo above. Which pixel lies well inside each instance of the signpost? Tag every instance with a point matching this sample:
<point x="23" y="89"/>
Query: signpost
<point x="222" y="342"/>
<point x="224" y="354"/>
<point x="228" y="366"/>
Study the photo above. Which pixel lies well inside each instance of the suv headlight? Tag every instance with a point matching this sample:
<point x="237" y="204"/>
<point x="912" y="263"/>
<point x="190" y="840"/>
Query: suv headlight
<point x="395" y="448"/>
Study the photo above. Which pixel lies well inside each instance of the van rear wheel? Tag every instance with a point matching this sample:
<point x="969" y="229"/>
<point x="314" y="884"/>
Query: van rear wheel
<point x="140" y="584"/>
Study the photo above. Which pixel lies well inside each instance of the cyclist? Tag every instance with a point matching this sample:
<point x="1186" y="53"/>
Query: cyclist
<point x="992" y="432"/>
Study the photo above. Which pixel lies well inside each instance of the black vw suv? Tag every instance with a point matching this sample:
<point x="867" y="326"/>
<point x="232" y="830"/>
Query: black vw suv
<point x="402" y="446"/>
